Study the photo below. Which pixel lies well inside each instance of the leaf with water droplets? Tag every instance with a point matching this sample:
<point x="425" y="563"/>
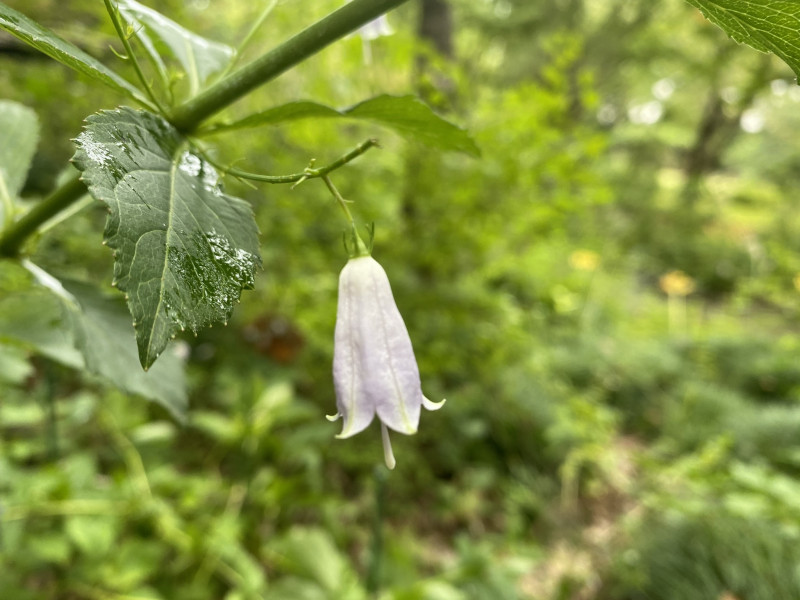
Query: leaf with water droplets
<point x="44" y="40"/>
<point x="183" y="249"/>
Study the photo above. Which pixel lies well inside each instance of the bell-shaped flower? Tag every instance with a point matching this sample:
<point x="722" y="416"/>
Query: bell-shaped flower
<point x="374" y="369"/>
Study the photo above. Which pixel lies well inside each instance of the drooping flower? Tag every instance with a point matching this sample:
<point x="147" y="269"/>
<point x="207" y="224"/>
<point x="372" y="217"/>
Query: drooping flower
<point x="374" y="368"/>
<point x="376" y="28"/>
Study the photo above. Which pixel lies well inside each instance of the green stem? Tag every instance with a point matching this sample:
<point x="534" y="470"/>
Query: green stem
<point x="15" y="235"/>
<point x="311" y="40"/>
<point x="359" y="247"/>
<point x="249" y="36"/>
<point x="340" y="199"/>
<point x="376" y="549"/>
<point x="309" y="173"/>
<point x="112" y="12"/>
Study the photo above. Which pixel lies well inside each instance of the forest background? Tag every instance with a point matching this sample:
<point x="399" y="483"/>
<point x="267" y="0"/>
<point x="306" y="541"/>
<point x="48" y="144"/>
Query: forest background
<point x="608" y="296"/>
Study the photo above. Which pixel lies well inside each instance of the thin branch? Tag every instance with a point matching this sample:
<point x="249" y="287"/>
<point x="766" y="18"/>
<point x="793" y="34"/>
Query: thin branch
<point x="249" y="37"/>
<point x="114" y="14"/>
<point x="309" y="173"/>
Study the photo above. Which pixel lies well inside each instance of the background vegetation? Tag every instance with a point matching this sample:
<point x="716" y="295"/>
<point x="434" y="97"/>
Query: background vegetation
<point x="609" y="297"/>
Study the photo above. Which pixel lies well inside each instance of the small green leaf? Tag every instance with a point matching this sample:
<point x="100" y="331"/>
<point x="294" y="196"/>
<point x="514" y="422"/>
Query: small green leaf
<point x="49" y="43"/>
<point x="407" y="115"/>
<point x="413" y="118"/>
<point x="772" y="26"/>
<point x="184" y="250"/>
<point x="199" y="56"/>
<point x="20" y="129"/>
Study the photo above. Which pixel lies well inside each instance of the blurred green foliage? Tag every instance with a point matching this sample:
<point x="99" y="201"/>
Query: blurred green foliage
<point x="598" y="416"/>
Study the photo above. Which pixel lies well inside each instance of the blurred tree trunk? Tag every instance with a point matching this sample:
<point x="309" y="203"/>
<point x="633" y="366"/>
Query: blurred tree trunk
<point x="436" y="25"/>
<point x="718" y="129"/>
<point x="435" y="30"/>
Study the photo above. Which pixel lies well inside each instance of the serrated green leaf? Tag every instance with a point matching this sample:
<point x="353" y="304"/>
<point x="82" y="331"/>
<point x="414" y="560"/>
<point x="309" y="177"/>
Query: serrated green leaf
<point x="199" y="57"/>
<point x="52" y="45"/>
<point x="82" y="329"/>
<point x="184" y="250"/>
<point x="407" y="115"/>
<point x="772" y="26"/>
<point x="20" y="128"/>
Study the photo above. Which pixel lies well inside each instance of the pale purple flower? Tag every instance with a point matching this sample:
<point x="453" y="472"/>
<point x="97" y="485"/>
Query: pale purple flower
<point x="374" y="369"/>
<point x="376" y="28"/>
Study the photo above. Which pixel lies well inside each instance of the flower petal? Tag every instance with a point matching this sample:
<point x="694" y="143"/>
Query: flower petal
<point x="348" y="350"/>
<point x="391" y="376"/>
<point x="431" y="405"/>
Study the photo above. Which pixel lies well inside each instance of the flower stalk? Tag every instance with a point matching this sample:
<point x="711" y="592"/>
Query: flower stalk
<point x="375" y="371"/>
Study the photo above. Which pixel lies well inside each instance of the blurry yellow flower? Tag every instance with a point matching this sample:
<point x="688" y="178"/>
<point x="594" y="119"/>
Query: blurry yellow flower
<point x="676" y="283"/>
<point x="584" y="260"/>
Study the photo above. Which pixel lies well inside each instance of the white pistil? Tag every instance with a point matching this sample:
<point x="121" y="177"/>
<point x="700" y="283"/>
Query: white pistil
<point x="388" y="455"/>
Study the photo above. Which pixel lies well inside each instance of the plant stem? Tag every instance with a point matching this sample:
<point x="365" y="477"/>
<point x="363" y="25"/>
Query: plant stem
<point x="340" y="199"/>
<point x="359" y="247"/>
<point x="376" y="548"/>
<point x="309" y="173"/>
<point x="249" y="36"/>
<point x="114" y="15"/>
<point x="311" y="40"/>
<point x="15" y="235"/>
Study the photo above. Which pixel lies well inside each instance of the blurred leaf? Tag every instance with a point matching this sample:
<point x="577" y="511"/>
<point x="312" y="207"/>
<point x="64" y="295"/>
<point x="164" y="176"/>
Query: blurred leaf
<point x="20" y="128"/>
<point x="413" y="118"/>
<point x="297" y="589"/>
<point x="311" y="553"/>
<point x="184" y="250"/>
<point x="766" y="26"/>
<point x="216" y="426"/>
<point x="14" y="365"/>
<point x="48" y="42"/>
<point x="81" y="328"/>
<point x="407" y="115"/>
<point x="35" y="317"/>
<point x="49" y="548"/>
<point x="199" y="57"/>
<point x="92" y="535"/>
<point x="103" y="334"/>
<point x="132" y="564"/>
